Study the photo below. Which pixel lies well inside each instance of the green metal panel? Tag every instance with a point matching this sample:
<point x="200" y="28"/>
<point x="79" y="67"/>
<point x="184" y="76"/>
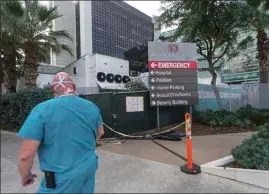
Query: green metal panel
<point x="114" y="104"/>
<point x="104" y="103"/>
<point x="132" y="122"/>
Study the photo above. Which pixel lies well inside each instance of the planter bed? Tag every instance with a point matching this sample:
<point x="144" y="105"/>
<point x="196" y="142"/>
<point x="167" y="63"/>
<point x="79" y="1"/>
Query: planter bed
<point x="225" y="168"/>
<point x="201" y="130"/>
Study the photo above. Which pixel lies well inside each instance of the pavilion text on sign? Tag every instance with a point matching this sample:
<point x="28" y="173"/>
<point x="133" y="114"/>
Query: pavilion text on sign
<point x="172" y="74"/>
<point x="169" y="80"/>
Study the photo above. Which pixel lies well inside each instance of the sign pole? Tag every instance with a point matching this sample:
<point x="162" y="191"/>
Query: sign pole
<point x="230" y="97"/>
<point x="173" y="82"/>
<point x="158" y="118"/>
<point x="191" y="111"/>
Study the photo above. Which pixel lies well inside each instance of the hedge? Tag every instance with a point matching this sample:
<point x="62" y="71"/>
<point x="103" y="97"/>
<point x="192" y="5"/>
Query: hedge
<point x="253" y="153"/>
<point x="246" y="116"/>
<point x="15" y="107"/>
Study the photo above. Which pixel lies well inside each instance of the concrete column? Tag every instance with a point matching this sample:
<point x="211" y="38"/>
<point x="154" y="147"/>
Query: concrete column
<point x="86" y="27"/>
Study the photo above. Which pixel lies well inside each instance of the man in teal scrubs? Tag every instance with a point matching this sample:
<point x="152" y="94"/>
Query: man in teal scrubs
<point x="63" y="131"/>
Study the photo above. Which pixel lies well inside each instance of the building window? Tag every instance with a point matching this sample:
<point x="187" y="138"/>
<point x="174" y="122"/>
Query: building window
<point x="133" y="73"/>
<point x="118" y="33"/>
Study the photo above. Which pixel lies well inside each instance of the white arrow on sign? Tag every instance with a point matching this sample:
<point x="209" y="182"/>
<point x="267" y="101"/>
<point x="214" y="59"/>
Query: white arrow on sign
<point x="153" y="65"/>
<point x="152" y="72"/>
<point x="152" y="87"/>
<point x="153" y="95"/>
<point x="153" y="80"/>
<point x="153" y="102"/>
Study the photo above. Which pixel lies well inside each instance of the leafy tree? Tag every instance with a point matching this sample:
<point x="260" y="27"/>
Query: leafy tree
<point x="136" y="85"/>
<point x="211" y="24"/>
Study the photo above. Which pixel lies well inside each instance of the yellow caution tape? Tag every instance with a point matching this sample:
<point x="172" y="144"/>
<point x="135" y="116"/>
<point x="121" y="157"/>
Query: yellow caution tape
<point x="159" y="133"/>
<point x="168" y="130"/>
<point x="122" y="134"/>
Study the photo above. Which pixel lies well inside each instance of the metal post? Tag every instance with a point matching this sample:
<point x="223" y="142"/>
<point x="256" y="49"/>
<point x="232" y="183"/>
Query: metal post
<point x="191" y="112"/>
<point x="230" y="98"/>
<point x="158" y="118"/>
<point x="259" y="95"/>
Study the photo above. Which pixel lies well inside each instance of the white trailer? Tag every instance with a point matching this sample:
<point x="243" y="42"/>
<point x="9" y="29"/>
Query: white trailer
<point x="94" y="73"/>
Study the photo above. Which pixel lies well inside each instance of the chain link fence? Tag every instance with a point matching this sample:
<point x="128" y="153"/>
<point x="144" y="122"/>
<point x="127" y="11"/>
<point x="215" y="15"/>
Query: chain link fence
<point x="234" y="97"/>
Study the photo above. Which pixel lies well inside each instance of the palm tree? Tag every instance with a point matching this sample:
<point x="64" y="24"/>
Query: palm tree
<point x="39" y="38"/>
<point x="263" y="40"/>
<point x="10" y="42"/>
<point x="256" y="17"/>
<point x="26" y="36"/>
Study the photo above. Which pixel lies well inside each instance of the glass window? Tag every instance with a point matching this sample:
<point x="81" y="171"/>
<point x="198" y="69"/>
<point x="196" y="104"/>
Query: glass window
<point x="117" y="29"/>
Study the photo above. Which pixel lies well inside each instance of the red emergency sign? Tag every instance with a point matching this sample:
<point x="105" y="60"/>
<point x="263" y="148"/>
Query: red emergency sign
<point x="172" y="64"/>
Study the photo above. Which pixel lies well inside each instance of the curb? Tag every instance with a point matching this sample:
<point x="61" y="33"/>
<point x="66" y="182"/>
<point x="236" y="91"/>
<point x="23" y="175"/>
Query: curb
<point x="258" y="178"/>
<point x="9" y="132"/>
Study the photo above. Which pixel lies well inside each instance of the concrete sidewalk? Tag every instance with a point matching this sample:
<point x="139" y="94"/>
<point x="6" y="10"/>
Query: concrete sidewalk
<point x="123" y="174"/>
<point x="205" y="148"/>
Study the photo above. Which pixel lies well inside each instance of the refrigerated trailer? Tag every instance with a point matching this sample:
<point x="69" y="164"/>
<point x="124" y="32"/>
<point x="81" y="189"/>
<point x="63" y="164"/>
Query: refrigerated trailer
<point x="96" y="73"/>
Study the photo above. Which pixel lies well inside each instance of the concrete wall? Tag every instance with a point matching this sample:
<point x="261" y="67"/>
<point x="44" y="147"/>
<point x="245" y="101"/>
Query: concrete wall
<point x="42" y="80"/>
<point x="80" y="67"/>
<point x="91" y="80"/>
<point x="66" y="22"/>
<point x="157" y="34"/>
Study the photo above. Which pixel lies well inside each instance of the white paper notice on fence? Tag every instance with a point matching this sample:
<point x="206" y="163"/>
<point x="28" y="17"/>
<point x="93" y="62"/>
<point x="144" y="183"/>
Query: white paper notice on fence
<point x="134" y="103"/>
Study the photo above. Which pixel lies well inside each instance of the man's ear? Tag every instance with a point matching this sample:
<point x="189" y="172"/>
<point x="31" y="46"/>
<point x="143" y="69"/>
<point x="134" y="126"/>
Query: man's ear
<point x="28" y="149"/>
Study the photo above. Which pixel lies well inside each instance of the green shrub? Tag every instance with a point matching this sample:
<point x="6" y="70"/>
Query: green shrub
<point x="253" y="153"/>
<point x="136" y="85"/>
<point x="219" y="118"/>
<point x="246" y="116"/>
<point x="15" y="107"/>
<point x="256" y="116"/>
<point x="203" y="117"/>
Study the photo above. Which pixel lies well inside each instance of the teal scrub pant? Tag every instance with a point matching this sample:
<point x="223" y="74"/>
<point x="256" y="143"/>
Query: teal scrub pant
<point x="80" y="184"/>
<point x="82" y="181"/>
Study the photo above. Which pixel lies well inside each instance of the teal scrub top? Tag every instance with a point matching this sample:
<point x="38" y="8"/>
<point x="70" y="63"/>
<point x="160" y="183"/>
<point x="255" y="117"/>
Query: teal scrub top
<point x="67" y="129"/>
